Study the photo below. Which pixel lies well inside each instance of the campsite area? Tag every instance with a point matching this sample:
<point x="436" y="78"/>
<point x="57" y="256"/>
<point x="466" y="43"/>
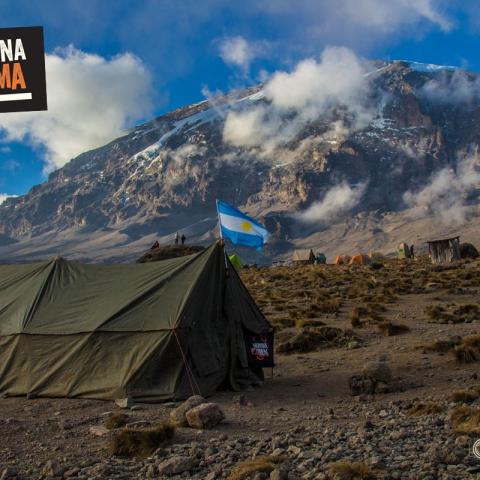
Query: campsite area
<point x="417" y="419"/>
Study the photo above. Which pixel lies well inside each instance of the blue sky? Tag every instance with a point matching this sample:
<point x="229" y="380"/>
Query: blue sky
<point x="156" y="55"/>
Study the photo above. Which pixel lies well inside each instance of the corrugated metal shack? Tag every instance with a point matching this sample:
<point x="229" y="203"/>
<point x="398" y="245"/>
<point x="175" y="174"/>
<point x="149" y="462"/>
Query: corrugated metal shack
<point x="445" y="250"/>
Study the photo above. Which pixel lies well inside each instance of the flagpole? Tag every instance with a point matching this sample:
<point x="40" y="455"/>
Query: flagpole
<point x="221" y="237"/>
<point x="218" y="218"/>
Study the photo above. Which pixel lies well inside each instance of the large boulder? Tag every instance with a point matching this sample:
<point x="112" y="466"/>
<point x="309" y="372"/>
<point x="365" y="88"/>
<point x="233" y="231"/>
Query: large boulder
<point x="378" y="371"/>
<point x="467" y="250"/>
<point x="177" y="416"/>
<point x="361" y="385"/>
<point x="205" y="416"/>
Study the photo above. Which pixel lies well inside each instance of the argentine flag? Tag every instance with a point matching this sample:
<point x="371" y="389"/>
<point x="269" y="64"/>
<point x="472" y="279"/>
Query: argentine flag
<point x="240" y="228"/>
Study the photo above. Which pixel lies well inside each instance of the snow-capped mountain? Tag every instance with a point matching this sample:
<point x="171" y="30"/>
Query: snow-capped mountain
<point x="348" y="172"/>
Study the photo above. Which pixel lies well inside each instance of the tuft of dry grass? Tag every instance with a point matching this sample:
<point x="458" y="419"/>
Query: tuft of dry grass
<point x="440" y="346"/>
<point x="309" y="339"/>
<point x="139" y="442"/>
<point x="308" y="323"/>
<point x="346" y="470"/>
<point x="364" y="315"/>
<point x="465" y="354"/>
<point x="425" y="409"/>
<point x="116" y="421"/>
<point x="466" y="420"/>
<point x="389" y="329"/>
<point x="472" y="341"/>
<point x="260" y="464"/>
<point x="465" y="396"/>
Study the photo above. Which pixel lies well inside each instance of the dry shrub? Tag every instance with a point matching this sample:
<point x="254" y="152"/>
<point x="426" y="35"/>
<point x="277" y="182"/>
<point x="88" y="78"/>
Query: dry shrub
<point x="440" y="346"/>
<point x="284" y="322"/>
<point x="260" y="464"/>
<point x="330" y="305"/>
<point x="466" y="420"/>
<point x="389" y="329"/>
<point x="309" y="339"/>
<point x="438" y="314"/>
<point x="139" y="442"/>
<point x="345" y="470"/>
<point x="472" y="341"/>
<point x="308" y="323"/>
<point x="464" y="396"/>
<point x="116" y="421"/>
<point x="465" y="354"/>
<point x="363" y="315"/>
<point x="467" y="311"/>
<point x="425" y="409"/>
<point x="459" y="314"/>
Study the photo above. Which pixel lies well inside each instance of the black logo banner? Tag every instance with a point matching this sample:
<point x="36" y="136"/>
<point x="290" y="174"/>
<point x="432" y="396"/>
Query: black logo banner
<point x="260" y="349"/>
<point x="22" y="70"/>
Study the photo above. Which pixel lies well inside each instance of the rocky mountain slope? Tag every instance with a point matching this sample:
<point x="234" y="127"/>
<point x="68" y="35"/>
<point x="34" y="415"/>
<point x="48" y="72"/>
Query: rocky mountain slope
<point x="348" y="178"/>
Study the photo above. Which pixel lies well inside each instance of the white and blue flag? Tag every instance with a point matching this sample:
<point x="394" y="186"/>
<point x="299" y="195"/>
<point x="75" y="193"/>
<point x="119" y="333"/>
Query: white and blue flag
<point x="239" y="228"/>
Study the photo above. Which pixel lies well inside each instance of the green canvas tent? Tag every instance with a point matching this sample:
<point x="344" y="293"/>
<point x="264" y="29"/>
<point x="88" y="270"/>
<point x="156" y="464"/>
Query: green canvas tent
<point x="150" y="332"/>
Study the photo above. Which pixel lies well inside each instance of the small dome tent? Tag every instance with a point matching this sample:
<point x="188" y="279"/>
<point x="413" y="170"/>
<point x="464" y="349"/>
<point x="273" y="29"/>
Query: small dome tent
<point x="360" y="259"/>
<point x="403" y="250"/>
<point x="303" y="257"/>
<point x="235" y="261"/>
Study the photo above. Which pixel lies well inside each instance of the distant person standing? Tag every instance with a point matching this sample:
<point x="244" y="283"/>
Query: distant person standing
<point x="183" y="239"/>
<point x="412" y="251"/>
<point x="176" y="238"/>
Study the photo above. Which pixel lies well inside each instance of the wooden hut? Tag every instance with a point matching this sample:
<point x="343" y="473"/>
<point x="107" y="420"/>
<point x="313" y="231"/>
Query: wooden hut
<point x="303" y="257"/>
<point x="445" y="250"/>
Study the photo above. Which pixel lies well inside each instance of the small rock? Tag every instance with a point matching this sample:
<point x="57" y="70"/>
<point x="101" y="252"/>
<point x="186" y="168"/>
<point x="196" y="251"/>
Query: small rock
<point x="98" y="430"/>
<point x="177" y="416"/>
<point x="124" y="402"/>
<point x="176" y="465"/>
<point x="361" y="385"/>
<point x="8" y="473"/>
<point x="278" y="474"/>
<point x="72" y="472"/>
<point x="205" y="416"/>
<point x="53" y="469"/>
<point x="462" y="441"/>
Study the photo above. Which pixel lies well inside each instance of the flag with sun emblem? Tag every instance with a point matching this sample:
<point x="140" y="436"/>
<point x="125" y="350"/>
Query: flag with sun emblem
<point x="240" y="228"/>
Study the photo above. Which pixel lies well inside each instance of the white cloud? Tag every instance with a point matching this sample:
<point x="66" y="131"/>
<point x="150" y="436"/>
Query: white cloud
<point x="456" y="87"/>
<point x="91" y="100"/>
<point x="338" y="200"/>
<point x="314" y="86"/>
<point x="356" y="23"/>
<point x="388" y="16"/>
<point x="4" y="196"/>
<point x="237" y="51"/>
<point x="313" y="90"/>
<point x="447" y="193"/>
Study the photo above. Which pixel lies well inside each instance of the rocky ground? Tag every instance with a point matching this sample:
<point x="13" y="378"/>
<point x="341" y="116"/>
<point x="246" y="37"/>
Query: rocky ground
<point x="304" y="423"/>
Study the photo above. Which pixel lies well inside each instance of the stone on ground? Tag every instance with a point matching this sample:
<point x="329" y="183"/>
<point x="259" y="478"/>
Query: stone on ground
<point x="177" y="416"/>
<point x="205" y="416"/>
<point x="176" y="465"/>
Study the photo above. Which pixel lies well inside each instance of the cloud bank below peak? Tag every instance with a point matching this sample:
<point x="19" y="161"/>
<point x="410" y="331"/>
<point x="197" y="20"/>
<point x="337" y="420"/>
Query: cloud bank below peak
<point x="91" y="100"/>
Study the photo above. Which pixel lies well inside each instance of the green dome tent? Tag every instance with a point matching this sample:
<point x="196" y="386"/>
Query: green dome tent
<point x="235" y="261"/>
<point x="150" y="332"/>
